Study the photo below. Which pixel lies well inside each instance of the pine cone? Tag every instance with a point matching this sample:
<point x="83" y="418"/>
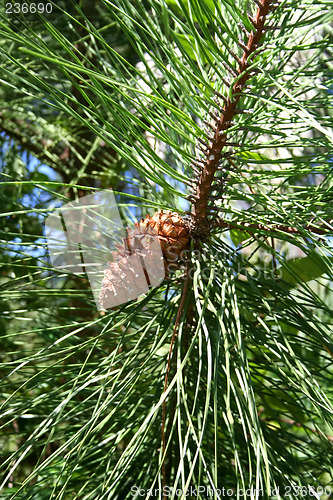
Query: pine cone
<point x="123" y="281"/>
<point x="136" y="264"/>
<point x="172" y="232"/>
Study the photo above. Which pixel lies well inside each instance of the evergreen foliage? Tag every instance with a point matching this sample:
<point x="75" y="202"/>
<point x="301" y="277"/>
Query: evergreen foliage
<point x="222" y="376"/>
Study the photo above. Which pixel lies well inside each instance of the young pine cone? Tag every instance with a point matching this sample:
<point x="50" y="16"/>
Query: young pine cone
<point x="172" y="232"/>
<point x="143" y="258"/>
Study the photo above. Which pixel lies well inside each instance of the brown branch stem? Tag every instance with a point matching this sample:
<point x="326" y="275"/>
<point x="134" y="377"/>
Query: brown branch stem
<point x="323" y="229"/>
<point x="179" y="313"/>
<point x="219" y="140"/>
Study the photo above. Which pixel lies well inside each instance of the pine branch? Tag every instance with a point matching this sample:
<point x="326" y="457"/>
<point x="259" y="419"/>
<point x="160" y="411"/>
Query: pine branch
<point x="22" y="133"/>
<point x="178" y="317"/>
<point x="55" y="153"/>
<point x="219" y="139"/>
<point x="323" y="229"/>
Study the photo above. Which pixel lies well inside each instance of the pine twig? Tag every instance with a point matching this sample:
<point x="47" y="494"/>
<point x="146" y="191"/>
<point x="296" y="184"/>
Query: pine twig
<point x="323" y="229"/>
<point x="219" y="141"/>
<point x="174" y="335"/>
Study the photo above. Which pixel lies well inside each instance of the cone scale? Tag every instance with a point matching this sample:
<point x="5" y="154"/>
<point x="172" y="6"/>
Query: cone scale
<point x="125" y="276"/>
